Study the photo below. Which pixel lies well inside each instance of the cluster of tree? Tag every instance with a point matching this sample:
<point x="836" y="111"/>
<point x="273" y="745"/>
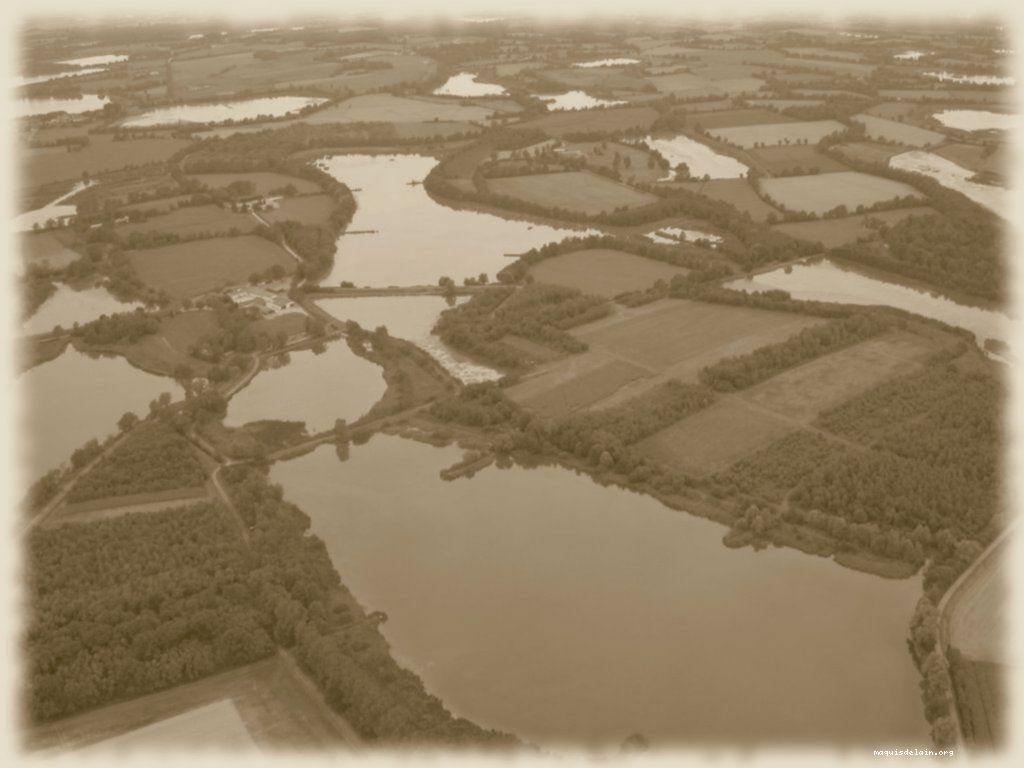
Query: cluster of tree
<point x="309" y="611"/>
<point x="119" y="328"/>
<point x="152" y="458"/>
<point x="541" y="313"/>
<point x="479" y="405"/>
<point x="739" y="372"/>
<point x="778" y="300"/>
<point x="134" y="604"/>
<point x="36" y="287"/>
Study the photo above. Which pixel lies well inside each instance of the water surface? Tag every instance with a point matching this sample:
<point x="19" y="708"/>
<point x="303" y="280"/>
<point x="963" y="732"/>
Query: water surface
<point x="606" y="63"/>
<point x="952" y="176"/>
<point x="573" y="100"/>
<point x="314" y="387"/>
<point x="465" y="85"/>
<point x="674" y="235"/>
<point x="74" y="398"/>
<point x="96" y="61"/>
<point x="827" y="281"/>
<point x="949" y="77"/>
<point x="68" y="306"/>
<point x="699" y="158"/>
<point x="27" y="221"/>
<point x="411" y="318"/>
<point x="268" y="107"/>
<point x="87" y="103"/>
<point x="408" y="239"/>
<point x="976" y="120"/>
<point x="538" y="602"/>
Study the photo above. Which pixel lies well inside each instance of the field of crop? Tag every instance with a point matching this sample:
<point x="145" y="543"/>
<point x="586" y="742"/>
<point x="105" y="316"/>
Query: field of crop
<point x="868" y="151"/>
<point x="619" y="119"/>
<point x="267" y="704"/>
<point x="803" y="392"/>
<point x="880" y="128"/>
<point x="746" y="136"/>
<point x="715" y="438"/>
<point x="606" y="78"/>
<point x="190" y="269"/>
<point x="684" y="85"/>
<point x="44" y="166"/>
<point x="162" y="205"/>
<point x="832" y="233"/>
<point x="973" y="157"/>
<point x="823" y="192"/>
<point x="193" y="220"/>
<point x="262" y="182"/>
<point x="309" y="209"/>
<point x="782" y="160"/>
<point x="737" y="192"/>
<point x="603" y="272"/>
<point x="225" y="75"/>
<point x="574" y="190"/>
<point x="385" y="108"/>
<point x="580" y="392"/>
<point x="981" y="701"/>
<point x="735" y="118"/>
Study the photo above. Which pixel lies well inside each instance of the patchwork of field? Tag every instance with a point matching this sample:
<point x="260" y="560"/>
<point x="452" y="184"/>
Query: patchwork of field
<point x="190" y="269"/>
<point x="308" y="209"/>
<point x="603" y="272"/>
<point x="45" y="166"/>
<point x="805" y="158"/>
<point x="572" y="190"/>
<point x="737" y="192"/>
<point x="638" y="348"/>
<point x="560" y="124"/>
<point x="263" y="183"/>
<point x="267" y="704"/>
<point x="193" y="220"/>
<point x="832" y="233"/>
<point x="901" y="133"/>
<point x="746" y="136"/>
<point x="823" y="192"/>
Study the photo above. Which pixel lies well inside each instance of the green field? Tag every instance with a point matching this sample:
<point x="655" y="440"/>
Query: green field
<point x="825" y="191"/>
<point x="746" y="136"/>
<point x="45" y="248"/>
<point x="603" y="272"/>
<point x="735" y="118"/>
<point x="193" y="220"/>
<point x="190" y="269"/>
<point x="832" y="233"/>
<point x="45" y="166"/>
<point x="788" y="160"/>
<point x="308" y="209"/>
<point x="262" y="183"/>
<point x="386" y="108"/>
<point x="737" y="192"/>
<point x="880" y="128"/>
<point x="573" y="190"/>
<point x="619" y="119"/>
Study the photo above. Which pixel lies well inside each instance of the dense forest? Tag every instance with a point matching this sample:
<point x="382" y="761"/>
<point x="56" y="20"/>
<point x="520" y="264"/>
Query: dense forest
<point x="154" y="457"/>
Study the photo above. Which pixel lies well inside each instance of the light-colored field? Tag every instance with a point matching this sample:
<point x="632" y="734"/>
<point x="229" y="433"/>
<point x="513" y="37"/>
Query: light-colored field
<point x="385" y="108"/>
<point x="572" y="190"/>
<point x="44" y="166"/>
<point x="193" y="268"/>
<point x="977" y="620"/>
<point x="973" y="157"/>
<point x="823" y="192"/>
<point x="308" y="209"/>
<point x="193" y="220"/>
<point x="805" y="391"/>
<point x="746" y="136"/>
<point x="579" y="392"/>
<point x="45" y="248"/>
<point x="715" y="438"/>
<point x="603" y="272"/>
<point x="737" y="192"/>
<point x="868" y="151"/>
<point x="832" y="233"/>
<point x="262" y="183"/>
<point x="619" y="119"/>
<point x="901" y="133"/>
<point x="781" y="160"/>
<point x="276" y="706"/>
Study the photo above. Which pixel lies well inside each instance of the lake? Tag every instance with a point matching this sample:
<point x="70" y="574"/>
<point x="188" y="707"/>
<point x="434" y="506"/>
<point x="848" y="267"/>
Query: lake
<point x="411" y="318"/>
<point x="538" y="602"/>
<point x="827" y="281"/>
<point x="74" y="398"/>
<point x="909" y="55"/>
<point x="96" y="61"/>
<point x="699" y="158"/>
<point x="952" y="176"/>
<point x="465" y="85"/>
<point x="25" y="222"/>
<point x="268" y="107"/>
<point x="573" y="100"/>
<point x="316" y="388"/>
<point x="411" y="240"/>
<point x="30" y="107"/>
<point x="675" y="235"/>
<point x="68" y="306"/>
<point x="976" y="120"/>
<point x="949" y="77"/>
<point x="606" y="63"/>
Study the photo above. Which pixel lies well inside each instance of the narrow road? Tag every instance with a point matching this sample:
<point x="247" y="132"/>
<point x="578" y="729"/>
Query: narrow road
<point x="283" y="244"/>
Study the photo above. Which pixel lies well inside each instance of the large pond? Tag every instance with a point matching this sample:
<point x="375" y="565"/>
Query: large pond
<point x="50" y="212"/>
<point x="466" y="85"/>
<point x="949" y="77"/>
<point x="30" y="107"/>
<point x="411" y="318"/>
<point x="977" y="120"/>
<point x="909" y="55"/>
<point x="271" y="106"/>
<point x="699" y="158"/>
<point x="314" y="386"/>
<point x="952" y="176"/>
<point x="827" y="281"/>
<point x="96" y="61"/>
<point x="76" y="397"/>
<point x="541" y="603"/>
<point x="68" y="306"/>
<point x="573" y="100"/>
<point x="622" y="62"/>
<point x="408" y="239"/>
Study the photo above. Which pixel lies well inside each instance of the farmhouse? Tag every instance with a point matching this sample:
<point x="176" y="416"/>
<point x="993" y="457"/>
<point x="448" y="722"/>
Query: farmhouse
<point x="266" y="302"/>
